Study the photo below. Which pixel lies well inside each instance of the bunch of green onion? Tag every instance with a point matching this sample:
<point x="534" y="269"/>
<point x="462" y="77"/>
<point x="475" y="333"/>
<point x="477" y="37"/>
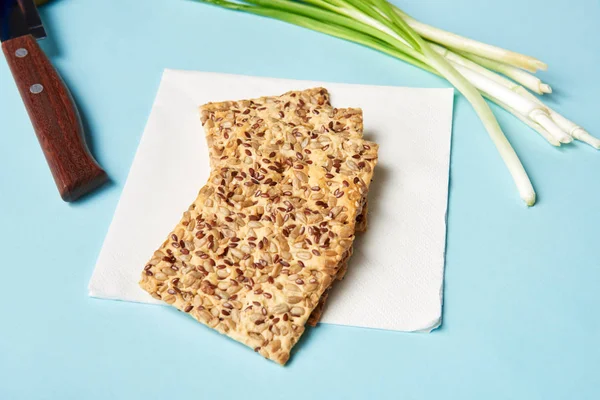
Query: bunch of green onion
<point x="476" y="69"/>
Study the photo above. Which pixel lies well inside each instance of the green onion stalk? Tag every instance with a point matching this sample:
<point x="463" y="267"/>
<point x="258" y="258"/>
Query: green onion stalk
<point x="476" y="69"/>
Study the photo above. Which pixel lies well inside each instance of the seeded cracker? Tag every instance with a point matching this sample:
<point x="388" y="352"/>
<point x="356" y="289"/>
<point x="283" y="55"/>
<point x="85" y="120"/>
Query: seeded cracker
<point x="256" y="250"/>
<point x="316" y="97"/>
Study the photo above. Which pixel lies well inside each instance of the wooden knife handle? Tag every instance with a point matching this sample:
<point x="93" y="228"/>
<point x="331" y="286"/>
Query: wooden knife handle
<point x="54" y="117"/>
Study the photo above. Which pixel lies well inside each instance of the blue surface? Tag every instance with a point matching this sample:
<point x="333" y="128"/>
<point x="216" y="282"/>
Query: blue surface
<point x="521" y="301"/>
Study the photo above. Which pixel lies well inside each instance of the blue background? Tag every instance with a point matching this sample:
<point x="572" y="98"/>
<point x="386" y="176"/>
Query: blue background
<point x="521" y="300"/>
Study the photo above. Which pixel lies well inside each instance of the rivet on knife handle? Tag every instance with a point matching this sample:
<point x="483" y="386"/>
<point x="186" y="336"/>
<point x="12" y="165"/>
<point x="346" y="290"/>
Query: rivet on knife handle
<point x="54" y="117"/>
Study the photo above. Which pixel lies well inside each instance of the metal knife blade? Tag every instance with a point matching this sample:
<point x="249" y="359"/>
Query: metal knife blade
<point x="34" y="22"/>
<point x="48" y="101"/>
<point x="19" y="18"/>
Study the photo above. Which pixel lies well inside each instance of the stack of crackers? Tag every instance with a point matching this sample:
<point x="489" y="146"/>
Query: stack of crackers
<point x="256" y="253"/>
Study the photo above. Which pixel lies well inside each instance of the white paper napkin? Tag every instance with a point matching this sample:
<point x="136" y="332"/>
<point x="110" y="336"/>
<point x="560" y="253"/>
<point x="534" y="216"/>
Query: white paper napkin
<point x="395" y="278"/>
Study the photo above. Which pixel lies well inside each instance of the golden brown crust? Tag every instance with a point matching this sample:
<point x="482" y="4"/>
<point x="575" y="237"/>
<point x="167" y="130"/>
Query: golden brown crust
<point x="267" y="234"/>
<point x="319" y="97"/>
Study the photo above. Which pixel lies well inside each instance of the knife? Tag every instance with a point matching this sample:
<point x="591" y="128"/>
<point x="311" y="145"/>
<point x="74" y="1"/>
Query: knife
<point x="49" y="104"/>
